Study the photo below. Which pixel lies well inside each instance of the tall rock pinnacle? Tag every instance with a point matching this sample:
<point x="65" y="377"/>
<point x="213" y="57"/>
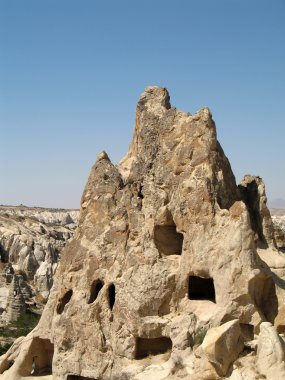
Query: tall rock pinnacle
<point x="165" y="249"/>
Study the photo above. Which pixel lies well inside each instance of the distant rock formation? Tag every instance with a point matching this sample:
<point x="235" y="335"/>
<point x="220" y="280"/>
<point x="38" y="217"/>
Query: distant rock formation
<point x="16" y="301"/>
<point x="278" y="218"/>
<point x="173" y="270"/>
<point x="31" y="240"/>
<point x="43" y="215"/>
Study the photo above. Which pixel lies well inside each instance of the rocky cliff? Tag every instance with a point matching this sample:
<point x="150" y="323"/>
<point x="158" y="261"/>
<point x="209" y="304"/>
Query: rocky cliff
<point x="173" y="271"/>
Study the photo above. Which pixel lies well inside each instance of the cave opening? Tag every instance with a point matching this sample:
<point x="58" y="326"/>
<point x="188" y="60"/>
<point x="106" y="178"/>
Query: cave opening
<point x="38" y="361"/>
<point x="64" y="301"/>
<point x="167" y="240"/>
<point x="200" y="288"/>
<point x="152" y="346"/>
<point x="96" y="287"/>
<point x="4" y="255"/>
<point x="112" y="295"/>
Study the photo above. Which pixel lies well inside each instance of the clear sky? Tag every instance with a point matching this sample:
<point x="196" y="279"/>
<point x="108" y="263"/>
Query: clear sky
<point x="71" y="73"/>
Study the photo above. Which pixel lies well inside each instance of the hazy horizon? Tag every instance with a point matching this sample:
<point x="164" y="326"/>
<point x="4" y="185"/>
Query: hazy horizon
<point x="71" y="74"/>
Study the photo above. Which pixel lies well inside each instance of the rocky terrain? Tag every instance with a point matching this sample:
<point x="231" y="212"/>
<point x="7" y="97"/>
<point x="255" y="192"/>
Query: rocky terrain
<point x="31" y="240"/>
<point x="174" y="271"/>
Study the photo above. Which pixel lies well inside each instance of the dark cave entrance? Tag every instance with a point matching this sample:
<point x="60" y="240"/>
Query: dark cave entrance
<point x="96" y="286"/>
<point x="152" y="346"/>
<point x="64" y="301"/>
<point x="4" y="256"/>
<point x="200" y="288"/>
<point x="112" y="295"/>
<point x="167" y="240"/>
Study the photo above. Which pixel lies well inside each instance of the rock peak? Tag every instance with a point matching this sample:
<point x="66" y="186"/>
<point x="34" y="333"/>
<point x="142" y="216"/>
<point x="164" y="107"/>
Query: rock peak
<point x="102" y="156"/>
<point x="154" y="99"/>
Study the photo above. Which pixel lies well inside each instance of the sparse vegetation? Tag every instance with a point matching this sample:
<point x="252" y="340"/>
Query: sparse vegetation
<point x="4" y="348"/>
<point x="21" y="327"/>
<point x="199" y="336"/>
<point x="26" y="323"/>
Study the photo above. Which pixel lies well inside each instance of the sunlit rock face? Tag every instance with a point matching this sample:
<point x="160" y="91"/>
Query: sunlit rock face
<point x="165" y="249"/>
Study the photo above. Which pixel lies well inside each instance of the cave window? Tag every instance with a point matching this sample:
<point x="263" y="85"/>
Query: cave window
<point x="112" y="295"/>
<point x="96" y="286"/>
<point x="167" y="240"/>
<point x="64" y="301"/>
<point x="152" y="346"/>
<point x="200" y="288"/>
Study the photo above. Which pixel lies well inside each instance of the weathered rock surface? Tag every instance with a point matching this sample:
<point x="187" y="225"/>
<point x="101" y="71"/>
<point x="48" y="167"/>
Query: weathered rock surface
<point x="166" y="248"/>
<point x="16" y="301"/>
<point x="31" y="240"/>
<point x="222" y="345"/>
<point x="270" y="353"/>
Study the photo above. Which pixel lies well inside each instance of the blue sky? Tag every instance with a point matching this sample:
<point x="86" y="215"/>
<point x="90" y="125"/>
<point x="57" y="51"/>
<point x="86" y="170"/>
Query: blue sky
<point x="71" y="73"/>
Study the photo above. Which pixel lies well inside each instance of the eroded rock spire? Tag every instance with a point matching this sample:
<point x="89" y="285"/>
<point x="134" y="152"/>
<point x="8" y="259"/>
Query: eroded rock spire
<point x="165" y="249"/>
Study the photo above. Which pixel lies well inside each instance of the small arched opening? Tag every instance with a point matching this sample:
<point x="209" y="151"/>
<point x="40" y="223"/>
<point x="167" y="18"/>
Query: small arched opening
<point x="167" y="240"/>
<point x="64" y="301"/>
<point x="96" y="287"/>
<point x="112" y="295"/>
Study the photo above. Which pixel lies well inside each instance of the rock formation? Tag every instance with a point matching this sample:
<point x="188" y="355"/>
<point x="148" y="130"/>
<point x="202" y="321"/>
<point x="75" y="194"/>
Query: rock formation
<point x="278" y="218"/>
<point x="270" y="353"/>
<point x="253" y="194"/>
<point x="50" y="216"/>
<point x="31" y="240"/>
<point x="168" y="247"/>
<point x="16" y="301"/>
